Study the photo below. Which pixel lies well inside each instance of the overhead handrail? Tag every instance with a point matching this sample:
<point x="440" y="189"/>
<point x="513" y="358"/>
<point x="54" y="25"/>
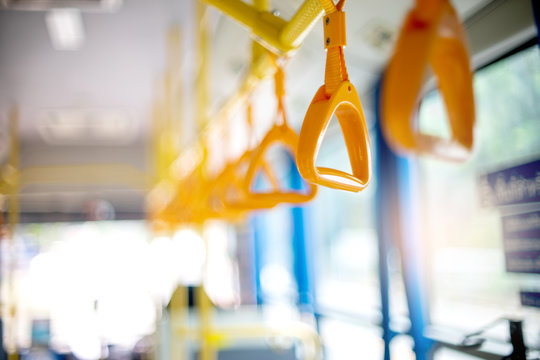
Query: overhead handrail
<point x="432" y="36"/>
<point x="336" y="97"/>
<point x="271" y="31"/>
<point x="280" y="134"/>
<point x="274" y="31"/>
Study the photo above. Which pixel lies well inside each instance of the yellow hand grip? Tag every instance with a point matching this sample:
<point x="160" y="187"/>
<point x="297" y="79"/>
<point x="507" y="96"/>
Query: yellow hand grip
<point x="234" y="195"/>
<point x="188" y="190"/>
<point x="215" y="206"/>
<point x="337" y="96"/>
<point x="432" y="36"/>
<point x="282" y="134"/>
<point x="172" y="211"/>
<point x="345" y="104"/>
<point x="237" y="194"/>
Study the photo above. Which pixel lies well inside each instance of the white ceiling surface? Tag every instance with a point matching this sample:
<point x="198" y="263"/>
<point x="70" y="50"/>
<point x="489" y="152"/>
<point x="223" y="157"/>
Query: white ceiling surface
<point x="119" y="66"/>
<point x="116" y="71"/>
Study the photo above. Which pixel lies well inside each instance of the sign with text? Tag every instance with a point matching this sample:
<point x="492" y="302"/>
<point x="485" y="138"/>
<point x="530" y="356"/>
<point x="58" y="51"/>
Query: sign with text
<point x="521" y="236"/>
<point x="515" y="185"/>
<point x="530" y="298"/>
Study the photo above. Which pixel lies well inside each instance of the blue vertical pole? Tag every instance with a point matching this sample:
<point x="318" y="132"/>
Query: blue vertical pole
<point x="397" y="224"/>
<point x="536" y="13"/>
<point x="259" y="236"/>
<point x="259" y="242"/>
<point x="301" y="250"/>
<point x="385" y="209"/>
<point x="412" y="260"/>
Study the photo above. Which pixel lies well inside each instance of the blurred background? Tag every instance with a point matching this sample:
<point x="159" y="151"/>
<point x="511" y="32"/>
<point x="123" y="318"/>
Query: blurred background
<point x="422" y="264"/>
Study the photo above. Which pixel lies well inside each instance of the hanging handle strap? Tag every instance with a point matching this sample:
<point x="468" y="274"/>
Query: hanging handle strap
<point x="280" y="134"/>
<point x="279" y="89"/>
<point x="426" y="10"/>
<point x="334" y="41"/>
<point x="432" y="36"/>
<point x="249" y="123"/>
<point x="279" y="80"/>
<point x="336" y="97"/>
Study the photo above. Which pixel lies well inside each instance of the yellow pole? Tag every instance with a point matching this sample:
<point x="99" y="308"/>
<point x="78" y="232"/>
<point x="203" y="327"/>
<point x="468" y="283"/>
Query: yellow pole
<point x="13" y="203"/>
<point x="167" y="112"/>
<point x="159" y="164"/>
<point x="203" y="55"/>
<point x="257" y="50"/>
<point x="178" y="315"/>
<point x="270" y="30"/>
<point x="224" y="334"/>
<point x="173" y="94"/>
<point x="205" y="315"/>
<point x="207" y="351"/>
<point x="11" y="178"/>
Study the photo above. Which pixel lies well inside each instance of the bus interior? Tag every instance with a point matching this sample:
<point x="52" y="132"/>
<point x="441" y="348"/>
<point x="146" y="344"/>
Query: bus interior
<point x="270" y="179"/>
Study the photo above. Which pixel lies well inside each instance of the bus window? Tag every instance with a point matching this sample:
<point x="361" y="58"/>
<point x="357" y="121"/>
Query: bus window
<point x="469" y="286"/>
<point x="346" y="264"/>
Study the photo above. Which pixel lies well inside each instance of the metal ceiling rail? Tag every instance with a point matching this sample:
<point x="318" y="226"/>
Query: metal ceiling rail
<point x="276" y="34"/>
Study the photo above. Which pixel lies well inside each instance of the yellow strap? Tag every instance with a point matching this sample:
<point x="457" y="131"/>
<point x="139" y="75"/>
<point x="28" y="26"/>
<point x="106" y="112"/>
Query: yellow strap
<point x="226" y="140"/>
<point x="279" y="83"/>
<point x="271" y="177"/>
<point x="249" y="121"/>
<point x="426" y="9"/>
<point x="336" y="71"/>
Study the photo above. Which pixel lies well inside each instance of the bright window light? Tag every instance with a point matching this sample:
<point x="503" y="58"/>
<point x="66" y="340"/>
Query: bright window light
<point x="65" y="28"/>
<point x="190" y="256"/>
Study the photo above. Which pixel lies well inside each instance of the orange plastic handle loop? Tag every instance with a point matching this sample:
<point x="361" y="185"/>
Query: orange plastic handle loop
<point x="439" y="44"/>
<point x="179" y="209"/>
<point x="345" y="104"/>
<point x="216" y="207"/>
<point x="200" y="194"/>
<point x="236" y="196"/>
<point x="337" y="96"/>
<point x="284" y="135"/>
<point x="249" y="122"/>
